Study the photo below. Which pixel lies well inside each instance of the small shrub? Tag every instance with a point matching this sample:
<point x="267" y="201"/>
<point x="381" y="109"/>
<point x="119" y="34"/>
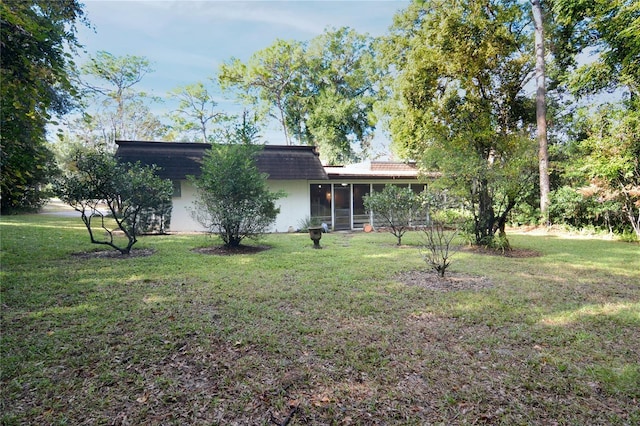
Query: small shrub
<point x="437" y="248"/>
<point x="466" y="232"/>
<point x="307" y="222"/>
<point x="398" y="208"/>
<point x="629" y="237"/>
<point x="500" y="242"/>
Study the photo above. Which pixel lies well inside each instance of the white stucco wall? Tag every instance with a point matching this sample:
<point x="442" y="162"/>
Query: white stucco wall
<point x="181" y="220"/>
<point x="293" y="208"/>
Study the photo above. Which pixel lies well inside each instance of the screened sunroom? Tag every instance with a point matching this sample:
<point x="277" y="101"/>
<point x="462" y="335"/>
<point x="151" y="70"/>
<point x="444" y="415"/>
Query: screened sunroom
<point x="340" y="202"/>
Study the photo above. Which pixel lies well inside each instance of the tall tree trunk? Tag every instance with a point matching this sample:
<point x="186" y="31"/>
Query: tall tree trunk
<point x="541" y="110"/>
<point x="486" y="215"/>
<point x="203" y="127"/>
<point x="283" y="122"/>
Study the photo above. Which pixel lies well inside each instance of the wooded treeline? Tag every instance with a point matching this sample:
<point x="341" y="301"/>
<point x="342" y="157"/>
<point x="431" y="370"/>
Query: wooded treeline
<point x="462" y="87"/>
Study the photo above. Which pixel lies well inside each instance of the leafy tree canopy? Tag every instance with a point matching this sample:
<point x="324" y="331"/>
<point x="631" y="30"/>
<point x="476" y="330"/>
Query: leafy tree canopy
<point x="34" y="85"/>
<point x="113" y="108"/>
<point x="196" y="114"/>
<point x="607" y="159"/>
<point x="612" y="29"/>
<point x="457" y="72"/>
<point x="270" y="79"/>
<point x="322" y="92"/>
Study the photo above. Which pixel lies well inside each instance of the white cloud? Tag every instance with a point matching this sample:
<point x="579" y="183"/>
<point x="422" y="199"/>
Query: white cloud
<point x="285" y="15"/>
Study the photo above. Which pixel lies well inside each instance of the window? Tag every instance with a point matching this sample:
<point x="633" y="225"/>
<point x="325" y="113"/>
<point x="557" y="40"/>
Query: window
<point x="321" y="202"/>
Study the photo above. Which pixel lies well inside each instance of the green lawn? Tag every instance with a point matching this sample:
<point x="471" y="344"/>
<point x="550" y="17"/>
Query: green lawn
<point x="299" y="336"/>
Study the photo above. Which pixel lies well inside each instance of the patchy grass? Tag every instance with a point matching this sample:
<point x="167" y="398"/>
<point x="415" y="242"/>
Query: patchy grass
<point x="293" y="335"/>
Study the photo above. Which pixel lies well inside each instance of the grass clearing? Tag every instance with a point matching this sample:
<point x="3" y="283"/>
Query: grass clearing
<point x="305" y="336"/>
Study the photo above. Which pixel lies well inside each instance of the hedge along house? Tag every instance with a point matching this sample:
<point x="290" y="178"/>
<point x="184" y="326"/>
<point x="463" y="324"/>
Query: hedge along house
<point x="332" y="195"/>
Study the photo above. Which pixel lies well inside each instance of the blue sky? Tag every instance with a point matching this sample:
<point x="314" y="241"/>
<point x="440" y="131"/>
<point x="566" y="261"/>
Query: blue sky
<point x="187" y="40"/>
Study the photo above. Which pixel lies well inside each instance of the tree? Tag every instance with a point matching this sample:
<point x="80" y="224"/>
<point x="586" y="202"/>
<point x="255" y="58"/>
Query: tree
<point x="95" y="178"/>
<point x="244" y="130"/>
<point x="398" y="208"/>
<point x="268" y="79"/>
<point x="541" y="108"/>
<point x="34" y="86"/>
<point x="322" y="93"/>
<point x="612" y="28"/>
<point x="119" y="73"/>
<point x="121" y="111"/>
<point x="196" y="112"/>
<point x="339" y="116"/>
<point x="602" y="150"/>
<point x="233" y="200"/>
<point x="458" y="72"/>
<point x="610" y="159"/>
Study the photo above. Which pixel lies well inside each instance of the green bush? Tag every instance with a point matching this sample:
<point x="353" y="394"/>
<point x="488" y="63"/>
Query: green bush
<point x="234" y="201"/>
<point x="398" y="208"/>
<point x="570" y="207"/>
<point x="629" y="236"/>
<point x="95" y="179"/>
<point x="524" y="214"/>
<point x="307" y="222"/>
<point x="450" y="217"/>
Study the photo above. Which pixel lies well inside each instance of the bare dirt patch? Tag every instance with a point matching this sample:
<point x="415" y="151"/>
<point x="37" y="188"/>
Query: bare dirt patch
<point x="452" y="281"/>
<point x="513" y="252"/>
<point x="112" y="254"/>
<point x="231" y="251"/>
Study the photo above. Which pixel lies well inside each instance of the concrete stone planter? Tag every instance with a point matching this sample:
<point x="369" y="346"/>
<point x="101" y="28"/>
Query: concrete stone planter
<point x="315" y="233"/>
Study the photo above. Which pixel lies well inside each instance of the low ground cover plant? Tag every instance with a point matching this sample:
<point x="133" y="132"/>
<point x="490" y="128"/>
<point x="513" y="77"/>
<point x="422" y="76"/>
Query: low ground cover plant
<point x="314" y="337"/>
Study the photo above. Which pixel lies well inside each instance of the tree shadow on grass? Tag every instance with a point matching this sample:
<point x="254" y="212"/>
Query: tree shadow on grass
<point x="112" y="254"/>
<point x="230" y="251"/>
<point x="514" y="252"/>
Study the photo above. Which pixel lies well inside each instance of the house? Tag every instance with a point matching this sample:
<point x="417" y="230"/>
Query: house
<point x="329" y="194"/>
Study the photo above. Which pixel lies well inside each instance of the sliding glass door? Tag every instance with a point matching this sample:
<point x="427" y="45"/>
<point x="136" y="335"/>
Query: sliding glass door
<point x="342" y="207"/>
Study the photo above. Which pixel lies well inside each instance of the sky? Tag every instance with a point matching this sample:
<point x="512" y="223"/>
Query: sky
<point x="186" y="41"/>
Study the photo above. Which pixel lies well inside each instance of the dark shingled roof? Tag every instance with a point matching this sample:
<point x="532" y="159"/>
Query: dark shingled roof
<point x="180" y="159"/>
